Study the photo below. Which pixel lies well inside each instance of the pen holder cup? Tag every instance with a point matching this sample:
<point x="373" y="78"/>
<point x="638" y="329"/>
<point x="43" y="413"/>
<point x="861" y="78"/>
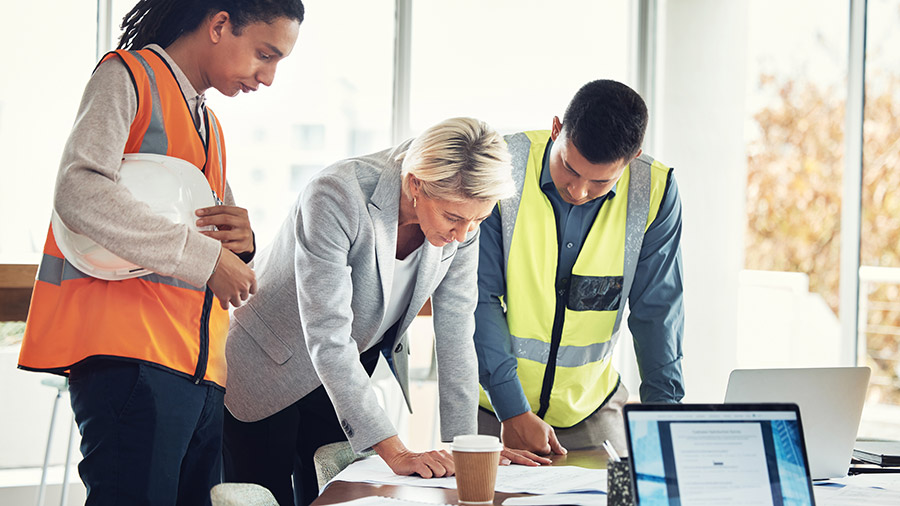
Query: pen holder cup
<point x="618" y="483"/>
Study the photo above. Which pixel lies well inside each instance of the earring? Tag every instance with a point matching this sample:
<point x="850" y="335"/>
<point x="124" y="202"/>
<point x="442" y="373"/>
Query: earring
<point x="414" y="202"/>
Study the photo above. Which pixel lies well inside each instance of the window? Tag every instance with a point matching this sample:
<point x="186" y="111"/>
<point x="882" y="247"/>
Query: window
<point x="794" y="142"/>
<point x="750" y="113"/>
<point x="309" y="137"/>
<point x="335" y="86"/>
<point x="879" y="288"/>
<point x="40" y="89"/>
<point x="512" y="63"/>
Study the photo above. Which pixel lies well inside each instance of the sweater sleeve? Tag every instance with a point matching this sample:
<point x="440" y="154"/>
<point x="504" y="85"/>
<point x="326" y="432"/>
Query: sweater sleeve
<point x="89" y="201"/>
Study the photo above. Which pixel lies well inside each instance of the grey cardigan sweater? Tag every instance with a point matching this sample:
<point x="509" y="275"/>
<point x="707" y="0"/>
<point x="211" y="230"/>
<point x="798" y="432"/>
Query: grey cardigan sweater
<point x="322" y="296"/>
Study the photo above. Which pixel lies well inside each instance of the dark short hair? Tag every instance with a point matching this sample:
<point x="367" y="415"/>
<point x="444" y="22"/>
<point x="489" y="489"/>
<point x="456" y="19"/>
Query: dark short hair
<point x="606" y="121"/>
<point x="163" y="21"/>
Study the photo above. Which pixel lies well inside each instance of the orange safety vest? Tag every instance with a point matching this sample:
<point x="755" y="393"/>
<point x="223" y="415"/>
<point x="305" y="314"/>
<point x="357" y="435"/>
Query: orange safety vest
<point x="154" y="319"/>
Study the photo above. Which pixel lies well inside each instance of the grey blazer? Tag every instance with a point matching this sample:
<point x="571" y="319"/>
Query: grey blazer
<point x="321" y="298"/>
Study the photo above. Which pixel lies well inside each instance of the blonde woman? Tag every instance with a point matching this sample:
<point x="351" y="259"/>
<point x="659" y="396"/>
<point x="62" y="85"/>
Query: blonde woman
<point x="367" y="243"/>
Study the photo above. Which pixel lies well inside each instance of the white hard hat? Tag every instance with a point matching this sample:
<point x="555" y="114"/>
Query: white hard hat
<point x="172" y="187"/>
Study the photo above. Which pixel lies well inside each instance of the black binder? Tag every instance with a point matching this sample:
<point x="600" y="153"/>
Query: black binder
<point x="883" y="453"/>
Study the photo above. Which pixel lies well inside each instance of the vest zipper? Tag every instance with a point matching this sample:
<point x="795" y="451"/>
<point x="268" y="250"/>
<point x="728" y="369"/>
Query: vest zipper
<point x="559" y="318"/>
<point x="203" y="356"/>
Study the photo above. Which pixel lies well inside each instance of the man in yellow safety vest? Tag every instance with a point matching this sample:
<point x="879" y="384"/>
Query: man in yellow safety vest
<point x="595" y="223"/>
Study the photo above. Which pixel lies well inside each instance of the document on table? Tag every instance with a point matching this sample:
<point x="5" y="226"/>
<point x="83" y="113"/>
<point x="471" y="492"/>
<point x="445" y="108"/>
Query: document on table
<point x="510" y="479"/>
<point x="880" y="489"/>
<point x="384" y="501"/>
<point x="886" y="481"/>
<point x="374" y="470"/>
<point x="849" y="495"/>
<point x="583" y="499"/>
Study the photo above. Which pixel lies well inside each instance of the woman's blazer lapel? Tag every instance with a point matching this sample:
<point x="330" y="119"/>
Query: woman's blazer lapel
<point x="384" y="209"/>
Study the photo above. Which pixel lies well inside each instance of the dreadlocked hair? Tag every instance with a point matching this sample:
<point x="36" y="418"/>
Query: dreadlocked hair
<point x="162" y="21"/>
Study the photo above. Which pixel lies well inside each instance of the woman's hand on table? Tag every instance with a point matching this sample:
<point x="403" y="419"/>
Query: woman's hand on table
<point x="430" y="464"/>
<point x="523" y="457"/>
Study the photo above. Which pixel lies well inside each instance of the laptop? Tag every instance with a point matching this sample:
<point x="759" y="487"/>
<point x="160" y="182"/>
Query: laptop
<point x="831" y="400"/>
<point x="704" y="454"/>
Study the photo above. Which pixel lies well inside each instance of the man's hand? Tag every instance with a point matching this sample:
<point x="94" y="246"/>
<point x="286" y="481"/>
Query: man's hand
<point x="528" y="432"/>
<point x="233" y="226"/>
<point x="432" y="464"/>
<point x="523" y="457"/>
<point x="232" y="282"/>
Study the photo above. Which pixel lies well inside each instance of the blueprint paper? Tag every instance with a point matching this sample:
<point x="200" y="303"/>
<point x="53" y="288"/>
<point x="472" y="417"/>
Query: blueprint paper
<point x="512" y="479"/>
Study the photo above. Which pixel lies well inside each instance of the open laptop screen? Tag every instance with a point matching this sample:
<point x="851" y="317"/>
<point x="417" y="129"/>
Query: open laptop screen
<point x="705" y="454"/>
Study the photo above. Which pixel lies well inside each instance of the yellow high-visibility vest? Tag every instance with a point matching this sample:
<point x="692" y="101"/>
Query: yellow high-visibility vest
<point x="567" y="376"/>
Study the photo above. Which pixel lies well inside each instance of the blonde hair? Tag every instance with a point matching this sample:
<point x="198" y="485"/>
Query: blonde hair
<point x="459" y="159"/>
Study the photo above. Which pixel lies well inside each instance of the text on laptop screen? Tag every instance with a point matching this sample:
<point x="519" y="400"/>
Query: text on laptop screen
<point x="718" y="457"/>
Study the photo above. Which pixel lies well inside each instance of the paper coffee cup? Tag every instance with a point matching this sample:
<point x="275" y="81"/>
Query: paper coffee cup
<point x="476" y="459"/>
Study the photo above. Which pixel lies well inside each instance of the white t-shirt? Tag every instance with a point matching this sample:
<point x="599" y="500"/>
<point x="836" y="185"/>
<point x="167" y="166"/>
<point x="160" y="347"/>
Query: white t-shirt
<point x="399" y="293"/>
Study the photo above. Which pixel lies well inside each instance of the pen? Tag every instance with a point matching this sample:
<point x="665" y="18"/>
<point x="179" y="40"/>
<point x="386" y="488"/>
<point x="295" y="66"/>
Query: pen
<point x="613" y="454"/>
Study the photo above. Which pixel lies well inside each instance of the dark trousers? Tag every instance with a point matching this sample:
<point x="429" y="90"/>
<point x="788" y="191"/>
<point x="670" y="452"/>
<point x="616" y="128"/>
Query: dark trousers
<point x="148" y="436"/>
<point x="269" y="452"/>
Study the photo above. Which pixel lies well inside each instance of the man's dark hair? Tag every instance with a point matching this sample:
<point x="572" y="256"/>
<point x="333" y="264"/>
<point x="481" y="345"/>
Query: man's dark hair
<point x="163" y="21"/>
<point x="606" y="121"/>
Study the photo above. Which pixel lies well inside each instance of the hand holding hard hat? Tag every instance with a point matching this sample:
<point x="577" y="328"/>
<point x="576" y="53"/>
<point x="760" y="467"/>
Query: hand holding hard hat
<point x="172" y="187"/>
<point x="231" y="227"/>
<point x="232" y="281"/>
<point x="176" y="189"/>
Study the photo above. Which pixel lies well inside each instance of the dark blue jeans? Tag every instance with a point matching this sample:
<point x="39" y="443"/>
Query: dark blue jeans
<point x="148" y="436"/>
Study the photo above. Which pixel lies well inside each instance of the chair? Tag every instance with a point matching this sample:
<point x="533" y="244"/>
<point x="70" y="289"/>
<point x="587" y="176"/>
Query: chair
<point x="61" y="385"/>
<point x="241" y="494"/>
<point x="332" y="458"/>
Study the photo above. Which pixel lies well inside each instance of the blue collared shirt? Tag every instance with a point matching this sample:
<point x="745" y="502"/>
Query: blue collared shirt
<point x="657" y="309"/>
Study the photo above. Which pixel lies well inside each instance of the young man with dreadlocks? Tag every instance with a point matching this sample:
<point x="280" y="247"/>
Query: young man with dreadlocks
<point x="145" y="356"/>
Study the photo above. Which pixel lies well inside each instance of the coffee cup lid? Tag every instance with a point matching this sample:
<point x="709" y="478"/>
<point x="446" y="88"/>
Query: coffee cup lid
<point x="476" y="443"/>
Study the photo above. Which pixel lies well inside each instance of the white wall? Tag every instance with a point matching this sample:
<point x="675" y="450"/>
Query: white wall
<point x="701" y="87"/>
<point x="798" y="329"/>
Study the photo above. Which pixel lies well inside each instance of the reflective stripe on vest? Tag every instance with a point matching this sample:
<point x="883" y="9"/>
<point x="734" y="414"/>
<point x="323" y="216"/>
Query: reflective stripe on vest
<point x="592" y="302"/>
<point x="155" y="318"/>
